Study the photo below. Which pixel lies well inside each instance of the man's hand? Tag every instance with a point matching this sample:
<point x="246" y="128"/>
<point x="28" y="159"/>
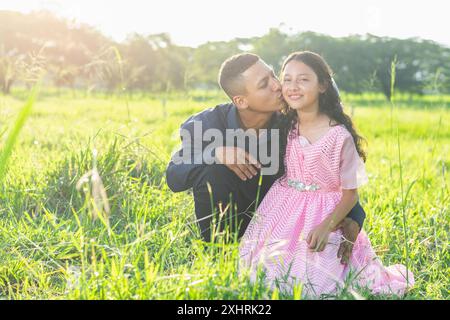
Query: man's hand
<point x="350" y="231"/>
<point x="243" y="164"/>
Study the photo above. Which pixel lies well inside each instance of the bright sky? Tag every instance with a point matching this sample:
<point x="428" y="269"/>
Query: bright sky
<point x="193" y="22"/>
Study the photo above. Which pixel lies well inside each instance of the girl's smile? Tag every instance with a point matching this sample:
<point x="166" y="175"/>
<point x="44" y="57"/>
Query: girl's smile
<point x="294" y="97"/>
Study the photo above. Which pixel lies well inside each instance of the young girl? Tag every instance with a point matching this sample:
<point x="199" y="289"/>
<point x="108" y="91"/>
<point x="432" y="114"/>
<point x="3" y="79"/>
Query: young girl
<point x="292" y="235"/>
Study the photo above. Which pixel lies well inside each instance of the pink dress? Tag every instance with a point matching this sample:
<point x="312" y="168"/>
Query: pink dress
<point x="275" y="239"/>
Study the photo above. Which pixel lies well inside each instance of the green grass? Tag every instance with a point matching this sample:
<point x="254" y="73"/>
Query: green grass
<point x="51" y="248"/>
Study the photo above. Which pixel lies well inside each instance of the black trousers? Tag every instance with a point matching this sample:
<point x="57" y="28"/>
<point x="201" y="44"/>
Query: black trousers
<point x="228" y="203"/>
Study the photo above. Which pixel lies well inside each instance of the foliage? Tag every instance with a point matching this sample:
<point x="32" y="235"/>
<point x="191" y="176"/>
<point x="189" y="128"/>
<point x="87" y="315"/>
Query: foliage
<point x="79" y="56"/>
<point x="51" y="248"/>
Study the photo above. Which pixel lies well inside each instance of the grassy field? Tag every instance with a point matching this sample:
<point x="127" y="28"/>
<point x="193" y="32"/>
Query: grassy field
<point x="150" y="248"/>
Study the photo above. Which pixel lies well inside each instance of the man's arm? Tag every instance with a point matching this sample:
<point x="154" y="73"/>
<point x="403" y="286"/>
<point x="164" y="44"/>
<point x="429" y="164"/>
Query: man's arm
<point x="178" y="176"/>
<point x="181" y="174"/>
<point x="182" y="164"/>
<point x="350" y="226"/>
<point x="185" y="163"/>
<point x="357" y="214"/>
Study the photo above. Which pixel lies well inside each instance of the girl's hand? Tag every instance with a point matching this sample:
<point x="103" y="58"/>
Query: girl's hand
<point x="318" y="237"/>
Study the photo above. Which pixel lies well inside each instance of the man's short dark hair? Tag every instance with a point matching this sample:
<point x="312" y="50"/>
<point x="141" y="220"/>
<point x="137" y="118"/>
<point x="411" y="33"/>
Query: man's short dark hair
<point x="230" y="74"/>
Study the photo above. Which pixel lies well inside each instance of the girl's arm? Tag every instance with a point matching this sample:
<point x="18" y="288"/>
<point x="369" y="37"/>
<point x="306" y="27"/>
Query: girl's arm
<point x="318" y="237"/>
<point x="352" y="176"/>
<point x="348" y="201"/>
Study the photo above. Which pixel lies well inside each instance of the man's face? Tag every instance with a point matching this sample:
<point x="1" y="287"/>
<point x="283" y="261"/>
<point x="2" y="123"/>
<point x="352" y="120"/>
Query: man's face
<point x="263" y="88"/>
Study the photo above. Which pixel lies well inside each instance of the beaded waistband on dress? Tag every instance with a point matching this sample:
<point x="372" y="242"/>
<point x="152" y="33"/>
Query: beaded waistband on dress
<point x="300" y="186"/>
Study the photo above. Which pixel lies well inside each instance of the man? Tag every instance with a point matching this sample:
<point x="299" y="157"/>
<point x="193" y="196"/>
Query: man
<point x="229" y="189"/>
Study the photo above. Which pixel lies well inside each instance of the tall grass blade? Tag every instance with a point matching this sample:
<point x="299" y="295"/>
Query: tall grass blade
<point x="11" y="140"/>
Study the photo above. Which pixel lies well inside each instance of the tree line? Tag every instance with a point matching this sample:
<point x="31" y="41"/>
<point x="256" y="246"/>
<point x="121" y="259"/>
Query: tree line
<point x="76" y="55"/>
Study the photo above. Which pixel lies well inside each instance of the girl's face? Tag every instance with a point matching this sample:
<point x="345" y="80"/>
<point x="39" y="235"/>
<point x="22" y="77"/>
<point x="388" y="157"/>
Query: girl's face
<point x="300" y="86"/>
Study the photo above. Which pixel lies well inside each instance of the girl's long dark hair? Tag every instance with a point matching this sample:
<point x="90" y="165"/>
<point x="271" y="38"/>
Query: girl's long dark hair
<point x="329" y="104"/>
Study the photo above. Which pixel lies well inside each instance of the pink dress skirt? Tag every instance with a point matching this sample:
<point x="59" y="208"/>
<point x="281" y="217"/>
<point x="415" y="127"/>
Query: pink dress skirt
<point x="275" y="240"/>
